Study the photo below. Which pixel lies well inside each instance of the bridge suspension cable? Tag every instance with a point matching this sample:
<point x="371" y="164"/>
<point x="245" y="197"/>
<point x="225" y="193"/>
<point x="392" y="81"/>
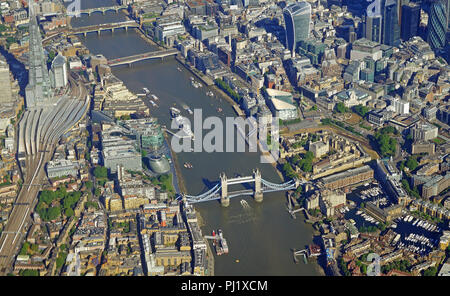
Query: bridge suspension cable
<point x="213" y="193"/>
<point x="274" y="185"/>
<point x="208" y="195"/>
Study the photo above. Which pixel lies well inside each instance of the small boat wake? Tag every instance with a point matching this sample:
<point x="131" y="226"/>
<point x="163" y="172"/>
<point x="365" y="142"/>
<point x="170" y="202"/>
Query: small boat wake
<point x="245" y="204"/>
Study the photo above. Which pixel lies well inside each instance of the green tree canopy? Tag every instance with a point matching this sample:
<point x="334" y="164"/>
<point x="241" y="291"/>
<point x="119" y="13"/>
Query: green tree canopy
<point x="288" y="170"/>
<point x="97" y="192"/>
<point x="35" y="248"/>
<point x="51" y="56"/>
<point x="386" y="144"/>
<point x="412" y="163"/>
<point x="29" y="272"/>
<point x="54" y="212"/>
<point x="25" y="247"/>
<point x="360" y="110"/>
<point x="69" y="212"/>
<point x="88" y="184"/>
<point x="163" y="178"/>
<point x="100" y="172"/>
<point x="61" y="260"/>
<point x="340" y="108"/>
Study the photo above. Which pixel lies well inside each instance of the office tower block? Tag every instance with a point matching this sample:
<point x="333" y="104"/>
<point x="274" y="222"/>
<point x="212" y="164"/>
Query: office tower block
<point x="410" y="21"/>
<point x="297" y="18"/>
<point x="437" y="25"/>
<point x="391" y="28"/>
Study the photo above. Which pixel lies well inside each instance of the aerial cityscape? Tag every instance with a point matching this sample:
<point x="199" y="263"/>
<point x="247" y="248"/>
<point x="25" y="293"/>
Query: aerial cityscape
<point x="224" y="138"/>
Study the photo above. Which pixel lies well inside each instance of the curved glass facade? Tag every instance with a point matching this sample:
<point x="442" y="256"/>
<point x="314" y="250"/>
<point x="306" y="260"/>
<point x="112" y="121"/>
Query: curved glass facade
<point x="437" y="22"/>
<point x="159" y="164"/>
<point x="297" y="17"/>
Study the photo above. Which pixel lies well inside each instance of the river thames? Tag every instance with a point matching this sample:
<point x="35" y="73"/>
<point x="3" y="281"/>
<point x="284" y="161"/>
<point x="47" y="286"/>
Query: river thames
<point x="261" y="237"/>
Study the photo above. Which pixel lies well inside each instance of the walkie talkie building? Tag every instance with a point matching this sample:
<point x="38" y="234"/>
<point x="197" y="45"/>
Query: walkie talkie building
<point x="297" y="17"/>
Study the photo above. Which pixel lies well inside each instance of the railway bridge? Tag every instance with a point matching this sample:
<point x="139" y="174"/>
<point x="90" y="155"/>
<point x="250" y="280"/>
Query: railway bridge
<point x="105" y="27"/>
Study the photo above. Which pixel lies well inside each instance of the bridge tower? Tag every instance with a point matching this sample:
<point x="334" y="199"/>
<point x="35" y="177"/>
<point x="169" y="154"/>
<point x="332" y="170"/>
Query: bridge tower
<point x="258" y="186"/>
<point x="224" y="199"/>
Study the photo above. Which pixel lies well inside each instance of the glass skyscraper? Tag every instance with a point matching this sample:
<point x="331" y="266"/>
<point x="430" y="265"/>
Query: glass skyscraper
<point x="5" y="82"/>
<point x="437" y="25"/>
<point x="410" y="20"/>
<point x="297" y="17"/>
<point x="39" y="89"/>
<point x="447" y="6"/>
<point x="391" y="27"/>
<point x="373" y="28"/>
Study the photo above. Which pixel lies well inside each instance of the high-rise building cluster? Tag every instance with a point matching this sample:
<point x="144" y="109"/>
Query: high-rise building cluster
<point x="396" y="20"/>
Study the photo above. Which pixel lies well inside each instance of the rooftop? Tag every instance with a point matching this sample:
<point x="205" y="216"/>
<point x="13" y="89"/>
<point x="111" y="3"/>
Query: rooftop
<point x="346" y="174"/>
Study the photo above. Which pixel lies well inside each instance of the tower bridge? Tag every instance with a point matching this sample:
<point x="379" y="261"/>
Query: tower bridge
<point x="220" y="189"/>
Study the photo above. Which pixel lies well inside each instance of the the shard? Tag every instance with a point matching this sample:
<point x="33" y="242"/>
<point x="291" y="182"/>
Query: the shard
<point x="39" y="91"/>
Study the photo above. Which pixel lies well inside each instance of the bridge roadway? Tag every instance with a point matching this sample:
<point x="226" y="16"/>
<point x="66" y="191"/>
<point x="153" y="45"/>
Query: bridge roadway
<point x="240" y="180"/>
<point x="142" y="56"/>
<point x="115" y="8"/>
<point x="215" y="192"/>
<point x="55" y="122"/>
<point x="103" y="27"/>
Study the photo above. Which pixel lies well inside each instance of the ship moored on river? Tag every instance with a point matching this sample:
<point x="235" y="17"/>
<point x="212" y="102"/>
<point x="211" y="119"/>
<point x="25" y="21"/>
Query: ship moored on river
<point x="220" y="243"/>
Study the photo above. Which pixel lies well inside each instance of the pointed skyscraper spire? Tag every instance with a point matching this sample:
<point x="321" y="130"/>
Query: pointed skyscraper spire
<point x="39" y="91"/>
